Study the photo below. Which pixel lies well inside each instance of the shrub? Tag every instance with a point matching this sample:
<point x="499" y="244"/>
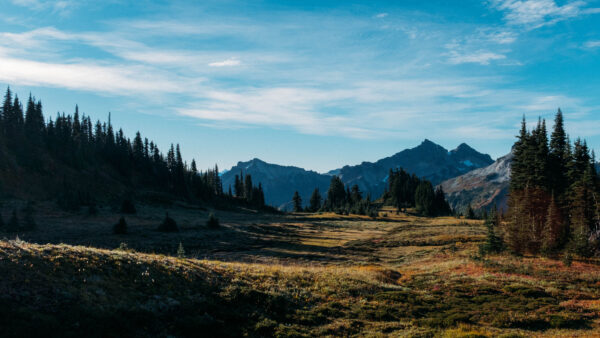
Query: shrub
<point x="127" y="207"/>
<point x="212" y="222"/>
<point x="180" y="251"/>
<point x="567" y="259"/>
<point x="168" y="225"/>
<point x="121" y="227"/>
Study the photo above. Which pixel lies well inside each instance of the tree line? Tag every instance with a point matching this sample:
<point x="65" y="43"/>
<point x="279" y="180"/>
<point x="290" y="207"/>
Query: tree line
<point x="89" y="147"/>
<point x="553" y="199"/>
<point x="404" y="191"/>
<point x="409" y="191"/>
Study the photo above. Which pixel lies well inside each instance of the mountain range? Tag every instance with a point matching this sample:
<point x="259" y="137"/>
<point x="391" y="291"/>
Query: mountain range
<point x="428" y="160"/>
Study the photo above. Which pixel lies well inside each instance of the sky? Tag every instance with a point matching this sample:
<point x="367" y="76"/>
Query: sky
<point x="315" y="84"/>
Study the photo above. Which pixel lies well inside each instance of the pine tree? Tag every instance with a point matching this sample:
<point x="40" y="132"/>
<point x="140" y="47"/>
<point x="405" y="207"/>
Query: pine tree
<point x="315" y="200"/>
<point x="297" y="200"/>
<point x="493" y="243"/>
<point x="558" y="157"/>
<point x="168" y="225"/>
<point x="425" y="199"/>
<point x="336" y="195"/>
<point x="248" y="188"/>
<point x="212" y="222"/>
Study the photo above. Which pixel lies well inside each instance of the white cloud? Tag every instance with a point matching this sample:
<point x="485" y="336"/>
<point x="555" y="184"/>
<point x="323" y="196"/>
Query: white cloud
<point x="480" y="57"/>
<point x="114" y="79"/>
<point x="225" y="63"/>
<point x="538" y="13"/>
<point x="504" y="37"/>
<point x="381" y="15"/>
<point x="62" y="7"/>
<point x="593" y="44"/>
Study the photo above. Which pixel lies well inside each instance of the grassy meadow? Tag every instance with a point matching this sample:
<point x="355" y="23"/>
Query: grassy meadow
<point x="293" y="275"/>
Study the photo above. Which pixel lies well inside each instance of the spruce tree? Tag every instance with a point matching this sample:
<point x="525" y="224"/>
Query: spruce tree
<point x="297" y="201"/>
<point x="315" y="200"/>
<point x="425" y="199"/>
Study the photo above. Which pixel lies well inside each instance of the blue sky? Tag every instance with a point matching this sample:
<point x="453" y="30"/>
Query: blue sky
<point x="317" y="84"/>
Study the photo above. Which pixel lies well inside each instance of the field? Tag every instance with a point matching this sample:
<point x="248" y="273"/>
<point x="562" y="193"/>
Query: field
<point x="283" y="275"/>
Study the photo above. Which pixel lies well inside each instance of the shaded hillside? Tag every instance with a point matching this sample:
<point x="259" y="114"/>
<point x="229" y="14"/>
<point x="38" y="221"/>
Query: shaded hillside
<point x="428" y="160"/>
<point x="480" y="188"/>
<point x="278" y="182"/>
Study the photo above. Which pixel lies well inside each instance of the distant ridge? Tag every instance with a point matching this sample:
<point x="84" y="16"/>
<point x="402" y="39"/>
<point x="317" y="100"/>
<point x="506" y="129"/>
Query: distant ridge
<point x="480" y="188"/>
<point x="428" y="160"/>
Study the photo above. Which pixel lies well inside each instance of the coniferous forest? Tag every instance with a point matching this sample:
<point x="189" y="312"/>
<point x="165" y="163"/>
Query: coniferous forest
<point x="553" y="200"/>
<point x="78" y="162"/>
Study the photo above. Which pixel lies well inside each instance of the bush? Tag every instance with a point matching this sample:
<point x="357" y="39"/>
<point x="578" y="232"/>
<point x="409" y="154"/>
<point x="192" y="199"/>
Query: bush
<point x="180" y="251"/>
<point x="121" y="227"/>
<point x="168" y="225"/>
<point x="567" y="259"/>
<point x="127" y="207"/>
<point x="212" y="222"/>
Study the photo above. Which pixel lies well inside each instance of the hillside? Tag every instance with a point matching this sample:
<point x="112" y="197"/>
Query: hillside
<point x="480" y="188"/>
<point x="428" y="160"/>
<point x="299" y="275"/>
<point x="279" y="182"/>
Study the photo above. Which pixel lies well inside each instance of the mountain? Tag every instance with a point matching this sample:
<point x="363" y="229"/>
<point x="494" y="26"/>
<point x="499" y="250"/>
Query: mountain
<point x="482" y="187"/>
<point x="278" y="182"/>
<point x="428" y="160"/>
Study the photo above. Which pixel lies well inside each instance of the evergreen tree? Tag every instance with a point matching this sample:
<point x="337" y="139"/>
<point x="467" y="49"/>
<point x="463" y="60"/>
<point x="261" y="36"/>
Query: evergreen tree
<point x="425" y="199"/>
<point x="168" y="225"/>
<point x="493" y="243"/>
<point x="558" y="158"/>
<point x="336" y="195"/>
<point x="212" y="222"/>
<point x="297" y="200"/>
<point x="315" y="200"/>
<point x="248" y="188"/>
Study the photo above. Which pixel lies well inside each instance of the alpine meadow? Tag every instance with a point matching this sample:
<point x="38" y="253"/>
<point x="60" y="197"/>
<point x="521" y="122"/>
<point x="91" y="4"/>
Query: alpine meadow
<point x="300" y="168"/>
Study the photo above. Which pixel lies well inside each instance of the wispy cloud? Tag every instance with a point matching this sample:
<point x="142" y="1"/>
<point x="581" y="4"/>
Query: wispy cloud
<point x="62" y="7"/>
<point x="381" y="15"/>
<point x="225" y="63"/>
<point x="480" y="57"/>
<point x="593" y="44"/>
<point x="537" y="13"/>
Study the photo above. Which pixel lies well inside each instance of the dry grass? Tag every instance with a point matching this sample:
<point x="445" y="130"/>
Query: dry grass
<point x="289" y="275"/>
